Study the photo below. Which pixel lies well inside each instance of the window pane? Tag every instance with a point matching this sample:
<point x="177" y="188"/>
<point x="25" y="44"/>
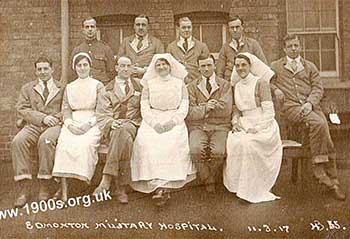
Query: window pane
<point x="313" y="57"/>
<point x="311" y="5"/>
<point x="311" y="42"/>
<point x="212" y="36"/>
<point x="328" y="61"/>
<point x="295" y="21"/>
<point x="111" y="36"/>
<point x="328" y="20"/>
<point x="328" y="42"/>
<point x="328" y="5"/>
<point x="295" y="5"/>
<point x="312" y="20"/>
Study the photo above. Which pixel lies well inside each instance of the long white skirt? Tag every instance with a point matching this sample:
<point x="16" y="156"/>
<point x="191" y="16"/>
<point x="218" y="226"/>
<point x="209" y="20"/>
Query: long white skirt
<point x="76" y="155"/>
<point x="253" y="164"/>
<point x="161" y="160"/>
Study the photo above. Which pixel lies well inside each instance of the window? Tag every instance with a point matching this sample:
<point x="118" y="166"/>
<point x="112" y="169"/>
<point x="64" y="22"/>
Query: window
<point x="114" y="28"/>
<point x="208" y="27"/>
<point x="316" y="22"/>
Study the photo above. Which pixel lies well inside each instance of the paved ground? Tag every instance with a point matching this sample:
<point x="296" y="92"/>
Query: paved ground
<point x="222" y="211"/>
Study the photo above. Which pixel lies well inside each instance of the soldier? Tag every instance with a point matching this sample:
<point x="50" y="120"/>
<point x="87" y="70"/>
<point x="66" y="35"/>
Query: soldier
<point x="118" y="116"/>
<point x="186" y="49"/>
<point x="39" y="104"/>
<point x="102" y="67"/>
<point x="140" y="47"/>
<point x="298" y="87"/>
<point x="239" y="43"/>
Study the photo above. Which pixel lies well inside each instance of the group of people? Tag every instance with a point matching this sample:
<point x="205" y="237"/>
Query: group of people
<point x="170" y="118"/>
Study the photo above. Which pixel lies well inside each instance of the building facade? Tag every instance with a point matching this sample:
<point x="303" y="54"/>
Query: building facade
<point x="30" y="28"/>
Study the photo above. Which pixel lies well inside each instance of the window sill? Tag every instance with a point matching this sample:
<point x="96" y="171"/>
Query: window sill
<point x="335" y="83"/>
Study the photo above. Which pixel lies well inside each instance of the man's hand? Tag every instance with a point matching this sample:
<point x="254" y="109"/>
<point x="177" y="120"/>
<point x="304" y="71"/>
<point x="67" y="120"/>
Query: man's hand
<point x="138" y="70"/>
<point x="211" y="104"/>
<point x="167" y="126"/>
<point x="306" y="109"/>
<point x="51" y="121"/>
<point x="116" y="124"/>
<point x="279" y="96"/>
<point x="75" y="130"/>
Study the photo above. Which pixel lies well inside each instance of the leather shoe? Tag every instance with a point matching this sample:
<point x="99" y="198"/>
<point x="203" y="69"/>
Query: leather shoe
<point x="123" y="198"/>
<point x="337" y="193"/>
<point x="21" y="201"/>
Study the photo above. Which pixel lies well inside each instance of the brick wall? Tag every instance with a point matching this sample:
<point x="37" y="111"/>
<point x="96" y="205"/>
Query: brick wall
<point x="28" y="29"/>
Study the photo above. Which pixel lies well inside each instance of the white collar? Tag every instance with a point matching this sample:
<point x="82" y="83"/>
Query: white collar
<point x="49" y="83"/>
<point x="143" y="38"/>
<point x="296" y="59"/>
<point x="120" y="81"/>
<point x="212" y="79"/>
<point x="182" y="40"/>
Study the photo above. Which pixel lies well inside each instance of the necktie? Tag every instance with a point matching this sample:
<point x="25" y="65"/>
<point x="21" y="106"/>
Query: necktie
<point x="185" y="45"/>
<point x="139" y="44"/>
<point x="294" y="65"/>
<point x="46" y="91"/>
<point x="127" y="88"/>
<point x="208" y="86"/>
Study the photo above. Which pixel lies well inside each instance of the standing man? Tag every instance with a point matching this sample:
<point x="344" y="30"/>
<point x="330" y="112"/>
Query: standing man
<point x="119" y="116"/>
<point x="298" y="87"/>
<point x="39" y="105"/>
<point x="186" y="49"/>
<point x="140" y="47"/>
<point x="239" y="43"/>
<point x="209" y="120"/>
<point x="102" y="67"/>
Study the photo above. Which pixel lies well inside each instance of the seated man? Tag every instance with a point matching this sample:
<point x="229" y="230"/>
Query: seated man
<point x="118" y="116"/>
<point x="39" y="105"/>
<point x="298" y="86"/>
<point x="209" y="120"/>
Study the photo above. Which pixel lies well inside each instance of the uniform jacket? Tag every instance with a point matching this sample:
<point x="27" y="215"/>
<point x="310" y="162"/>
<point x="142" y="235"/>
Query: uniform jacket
<point x="144" y="57"/>
<point x="31" y="106"/>
<point x="189" y="58"/>
<point x="217" y="119"/>
<point x="227" y="55"/>
<point x="113" y="104"/>
<point x="102" y="56"/>
<point x="303" y="86"/>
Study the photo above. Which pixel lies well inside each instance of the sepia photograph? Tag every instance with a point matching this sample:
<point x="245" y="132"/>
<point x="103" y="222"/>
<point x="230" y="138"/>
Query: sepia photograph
<point x="175" y="119"/>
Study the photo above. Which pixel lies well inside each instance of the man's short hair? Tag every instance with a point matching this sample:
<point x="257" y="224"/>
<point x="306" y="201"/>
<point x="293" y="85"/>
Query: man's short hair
<point x="118" y="58"/>
<point x="183" y="19"/>
<point x="43" y="59"/>
<point x="234" y="18"/>
<point x="143" y="16"/>
<point x="290" y="36"/>
<point x="86" y="19"/>
<point x="202" y="58"/>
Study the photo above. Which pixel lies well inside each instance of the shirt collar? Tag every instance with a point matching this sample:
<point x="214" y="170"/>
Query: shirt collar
<point x="49" y="83"/>
<point x="298" y="59"/>
<point x="182" y="40"/>
<point x="143" y="38"/>
<point x="120" y="81"/>
<point x="233" y="43"/>
<point x="211" y="78"/>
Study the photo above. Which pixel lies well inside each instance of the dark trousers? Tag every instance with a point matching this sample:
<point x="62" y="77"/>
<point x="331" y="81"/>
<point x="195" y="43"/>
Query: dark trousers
<point x="208" y="150"/>
<point x="119" y="153"/>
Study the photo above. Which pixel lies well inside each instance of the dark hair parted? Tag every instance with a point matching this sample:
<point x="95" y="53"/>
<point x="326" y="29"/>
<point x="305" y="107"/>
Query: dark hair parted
<point x="43" y="59"/>
<point x="202" y="58"/>
<point x="79" y="58"/>
<point x="242" y="56"/>
<point x="289" y="37"/>
<point x="86" y="19"/>
<point x="143" y="16"/>
<point x="234" y="18"/>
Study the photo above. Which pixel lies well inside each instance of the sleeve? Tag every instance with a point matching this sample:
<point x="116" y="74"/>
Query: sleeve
<point x="182" y="111"/>
<point x="111" y="73"/>
<point x="259" y="52"/>
<point x="104" y="112"/>
<point x="316" y="86"/>
<point x="146" y="111"/>
<point x="25" y="110"/>
<point x="196" y="111"/>
<point x="273" y="81"/>
<point x="66" y="110"/>
<point x="225" y="100"/>
<point x="266" y="105"/>
<point x="221" y="63"/>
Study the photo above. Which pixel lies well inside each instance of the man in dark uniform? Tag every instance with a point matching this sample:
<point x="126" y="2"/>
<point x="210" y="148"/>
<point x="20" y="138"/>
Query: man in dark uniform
<point x="102" y="56"/>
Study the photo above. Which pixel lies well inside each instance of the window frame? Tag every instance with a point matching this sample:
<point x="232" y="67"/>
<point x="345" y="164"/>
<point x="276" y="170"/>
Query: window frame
<point x="320" y="32"/>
